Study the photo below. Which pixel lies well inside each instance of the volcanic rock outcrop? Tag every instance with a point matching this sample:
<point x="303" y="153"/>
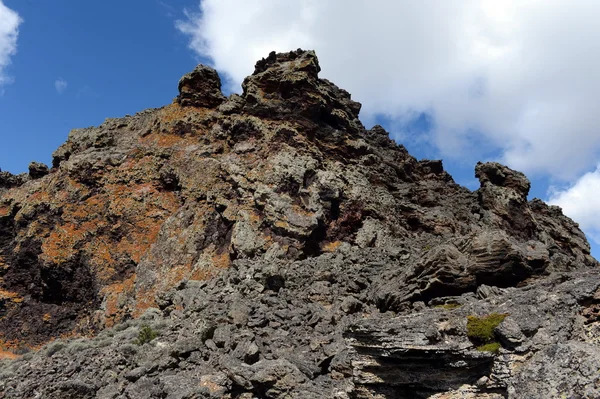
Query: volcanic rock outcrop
<point x="267" y="245"/>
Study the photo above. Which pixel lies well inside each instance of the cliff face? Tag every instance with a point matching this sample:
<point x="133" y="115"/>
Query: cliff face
<point x="282" y="250"/>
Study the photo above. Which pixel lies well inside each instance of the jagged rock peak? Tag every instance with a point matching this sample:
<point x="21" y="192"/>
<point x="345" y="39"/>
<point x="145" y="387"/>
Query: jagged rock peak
<point x="283" y="86"/>
<point x="288" y="84"/>
<point x="200" y="88"/>
<point x="299" y="60"/>
<point x="500" y="175"/>
<point x="37" y="170"/>
<point x="8" y="180"/>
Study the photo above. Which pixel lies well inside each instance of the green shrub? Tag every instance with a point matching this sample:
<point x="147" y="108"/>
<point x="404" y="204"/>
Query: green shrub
<point x="146" y="335"/>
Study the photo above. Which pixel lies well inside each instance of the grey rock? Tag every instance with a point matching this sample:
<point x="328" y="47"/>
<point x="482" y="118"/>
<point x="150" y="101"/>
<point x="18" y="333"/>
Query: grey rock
<point x="568" y="369"/>
<point x="487" y="291"/>
<point x="73" y="389"/>
<point x="400" y="348"/>
<point x="351" y="305"/>
<point x="274" y="378"/>
<point x="135" y="374"/>
<point x="246" y="351"/>
<point x="509" y="333"/>
<point x="108" y="392"/>
<point x="8" y="180"/>
<point x="216" y="384"/>
<point x="145" y="388"/>
<point x="184" y="346"/>
<point x="222" y="336"/>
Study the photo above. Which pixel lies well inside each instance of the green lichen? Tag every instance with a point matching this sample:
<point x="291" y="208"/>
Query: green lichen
<point x="493" y="347"/>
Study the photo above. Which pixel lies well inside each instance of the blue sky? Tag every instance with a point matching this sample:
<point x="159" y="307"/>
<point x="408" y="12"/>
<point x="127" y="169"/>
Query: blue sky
<point x="452" y="97"/>
<point x="116" y="57"/>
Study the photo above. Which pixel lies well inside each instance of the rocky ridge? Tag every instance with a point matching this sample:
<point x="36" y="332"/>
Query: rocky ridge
<point x="279" y="249"/>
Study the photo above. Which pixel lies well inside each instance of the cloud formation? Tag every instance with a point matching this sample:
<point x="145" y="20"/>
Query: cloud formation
<point x="580" y="202"/>
<point x="519" y="78"/>
<point x="61" y="85"/>
<point x="9" y="31"/>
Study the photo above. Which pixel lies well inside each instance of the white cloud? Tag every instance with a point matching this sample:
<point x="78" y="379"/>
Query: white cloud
<point x="9" y="30"/>
<point x="61" y="85"/>
<point x="522" y="77"/>
<point x="580" y="202"/>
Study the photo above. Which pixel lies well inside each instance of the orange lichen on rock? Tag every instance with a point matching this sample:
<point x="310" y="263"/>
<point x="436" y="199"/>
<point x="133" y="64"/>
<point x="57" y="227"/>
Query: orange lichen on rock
<point x="110" y="228"/>
<point x="91" y="208"/>
<point x="39" y="197"/>
<point x="176" y="274"/>
<point x="213" y="263"/>
<point x="8" y="355"/>
<point x="221" y="261"/>
<point x="60" y="245"/>
<point x="10" y="296"/>
<point x="9" y="347"/>
<point x="113" y="295"/>
<point x="167" y="140"/>
<point x="130" y="205"/>
<point x="331" y="246"/>
<point x="4" y="211"/>
<point x="144" y="299"/>
<point x="104" y="258"/>
<point x="175" y="113"/>
<point x="139" y="241"/>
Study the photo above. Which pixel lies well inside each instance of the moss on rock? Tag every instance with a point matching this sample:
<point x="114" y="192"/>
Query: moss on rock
<point x="480" y="331"/>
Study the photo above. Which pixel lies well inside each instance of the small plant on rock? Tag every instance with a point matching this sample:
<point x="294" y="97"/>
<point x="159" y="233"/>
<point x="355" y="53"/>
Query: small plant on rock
<point x="146" y="335"/>
<point x="480" y="331"/>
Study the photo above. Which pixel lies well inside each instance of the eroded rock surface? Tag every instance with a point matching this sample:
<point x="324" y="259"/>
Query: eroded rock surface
<point x="281" y="250"/>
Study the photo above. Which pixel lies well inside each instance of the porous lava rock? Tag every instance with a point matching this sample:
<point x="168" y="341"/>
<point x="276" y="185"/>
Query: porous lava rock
<point x="37" y="170"/>
<point x="201" y="88"/>
<point x="277" y="248"/>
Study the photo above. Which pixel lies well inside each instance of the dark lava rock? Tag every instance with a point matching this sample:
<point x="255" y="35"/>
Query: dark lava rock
<point x="200" y="88"/>
<point x="38" y="170"/>
<point x="267" y="245"/>
<point x="8" y="180"/>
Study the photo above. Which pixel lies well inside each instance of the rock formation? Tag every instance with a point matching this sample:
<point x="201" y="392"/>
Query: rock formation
<point x="267" y="245"/>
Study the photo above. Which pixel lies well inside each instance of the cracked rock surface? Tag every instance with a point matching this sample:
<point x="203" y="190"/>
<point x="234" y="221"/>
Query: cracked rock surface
<point x="276" y="248"/>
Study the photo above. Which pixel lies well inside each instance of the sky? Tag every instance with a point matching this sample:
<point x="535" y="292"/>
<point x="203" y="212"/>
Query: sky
<point x="460" y="80"/>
